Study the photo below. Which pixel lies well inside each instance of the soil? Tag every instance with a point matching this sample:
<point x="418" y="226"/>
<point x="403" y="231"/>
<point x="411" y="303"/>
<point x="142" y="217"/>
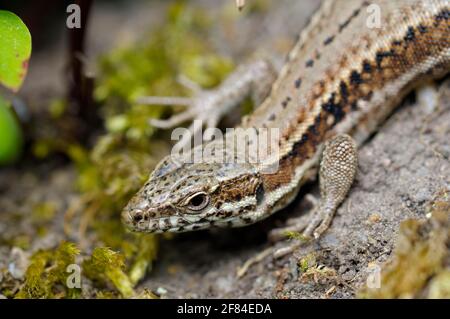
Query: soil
<point x="401" y="168"/>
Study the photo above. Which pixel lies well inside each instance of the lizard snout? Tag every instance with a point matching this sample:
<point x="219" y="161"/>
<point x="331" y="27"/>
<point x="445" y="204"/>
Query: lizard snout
<point x="131" y="217"/>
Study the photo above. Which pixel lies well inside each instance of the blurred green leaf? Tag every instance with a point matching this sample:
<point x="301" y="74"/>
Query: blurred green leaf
<point x="15" y="50"/>
<point x="11" y="139"/>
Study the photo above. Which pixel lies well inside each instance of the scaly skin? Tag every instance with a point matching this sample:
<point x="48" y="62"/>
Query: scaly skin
<point x="341" y="78"/>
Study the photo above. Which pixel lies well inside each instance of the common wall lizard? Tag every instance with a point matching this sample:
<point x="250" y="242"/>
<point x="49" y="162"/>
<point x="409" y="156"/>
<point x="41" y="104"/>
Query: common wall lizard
<point x="345" y="75"/>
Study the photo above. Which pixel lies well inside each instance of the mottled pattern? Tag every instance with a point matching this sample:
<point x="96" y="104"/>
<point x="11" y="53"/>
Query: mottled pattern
<point x="164" y="203"/>
<point x="341" y="77"/>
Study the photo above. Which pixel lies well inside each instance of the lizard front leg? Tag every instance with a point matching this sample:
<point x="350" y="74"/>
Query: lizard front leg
<point x="209" y="106"/>
<point x="337" y="172"/>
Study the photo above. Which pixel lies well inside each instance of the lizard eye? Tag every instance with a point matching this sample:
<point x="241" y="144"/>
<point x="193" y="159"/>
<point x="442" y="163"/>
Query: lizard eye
<point x="198" y="201"/>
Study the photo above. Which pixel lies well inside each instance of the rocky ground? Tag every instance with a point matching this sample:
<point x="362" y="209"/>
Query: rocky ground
<point x="402" y="169"/>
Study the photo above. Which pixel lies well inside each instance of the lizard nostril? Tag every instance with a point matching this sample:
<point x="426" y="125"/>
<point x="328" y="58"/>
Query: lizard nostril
<point x="137" y="217"/>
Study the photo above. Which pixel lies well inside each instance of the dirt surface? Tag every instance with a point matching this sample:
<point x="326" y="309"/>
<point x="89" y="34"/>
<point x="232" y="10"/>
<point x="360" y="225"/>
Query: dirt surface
<point x="400" y="170"/>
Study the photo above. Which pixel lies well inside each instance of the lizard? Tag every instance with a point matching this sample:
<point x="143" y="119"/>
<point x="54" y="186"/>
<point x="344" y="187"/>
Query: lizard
<point x="343" y="78"/>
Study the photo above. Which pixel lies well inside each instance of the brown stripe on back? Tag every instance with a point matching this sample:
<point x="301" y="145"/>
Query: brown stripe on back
<point x="417" y="44"/>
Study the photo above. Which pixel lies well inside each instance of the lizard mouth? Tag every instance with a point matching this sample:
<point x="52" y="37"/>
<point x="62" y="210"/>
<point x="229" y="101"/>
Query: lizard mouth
<point x="137" y="220"/>
<point x="180" y="228"/>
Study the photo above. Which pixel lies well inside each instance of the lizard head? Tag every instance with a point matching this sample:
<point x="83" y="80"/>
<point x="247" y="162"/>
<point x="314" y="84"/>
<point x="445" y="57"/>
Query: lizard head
<point x="186" y="197"/>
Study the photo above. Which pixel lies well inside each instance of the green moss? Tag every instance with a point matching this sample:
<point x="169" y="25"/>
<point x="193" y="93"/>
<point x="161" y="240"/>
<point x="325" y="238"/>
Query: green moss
<point x="107" y="266"/>
<point x="306" y="262"/>
<point x="57" y="108"/>
<point x="11" y="136"/>
<point x="151" y="68"/>
<point x="147" y="249"/>
<point x="46" y="275"/>
<point x="419" y="266"/>
<point x="296" y="236"/>
<point x="122" y="159"/>
<point x="439" y="287"/>
<point x="22" y="241"/>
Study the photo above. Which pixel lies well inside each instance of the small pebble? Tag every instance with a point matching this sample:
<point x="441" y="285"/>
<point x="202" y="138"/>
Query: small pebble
<point x="386" y="162"/>
<point x="225" y="284"/>
<point x="160" y="291"/>
<point x="375" y="218"/>
<point x="18" y="263"/>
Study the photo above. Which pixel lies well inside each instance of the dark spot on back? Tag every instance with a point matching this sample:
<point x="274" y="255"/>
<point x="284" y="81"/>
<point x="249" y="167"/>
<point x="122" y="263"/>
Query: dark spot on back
<point x="443" y="15"/>
<point x="297" y="83"/>
<point x="381" y="55"/>
<point x="334" y="108"/>
<point x="328" y="40"/>
<point x="310" y="63"/>
<point x="422" y="28"/>
<point x="355" y="78"/>
<point x="313" y="129"/>
<point x="367" y="67"/>
<point x="410" y="35"/>
<point x="344" y="91"/>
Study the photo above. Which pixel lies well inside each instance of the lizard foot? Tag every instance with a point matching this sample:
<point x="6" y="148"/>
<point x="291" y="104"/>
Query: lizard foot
<point x="337" y="172"/>
<point x="209" y="106"/>
<point x="203" y="106"/>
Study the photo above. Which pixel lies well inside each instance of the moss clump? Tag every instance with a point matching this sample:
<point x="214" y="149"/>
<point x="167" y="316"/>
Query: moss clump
<point x="151" y="68"/>
<point x="122" y="159"/>
<point x="293" y="235"/>
<point x="107" y="266"/>
<point x="419" y="267"/>
<point x="47" y="274"/>
<point x="307" y="262"/>
<point x="147" y="249"/>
